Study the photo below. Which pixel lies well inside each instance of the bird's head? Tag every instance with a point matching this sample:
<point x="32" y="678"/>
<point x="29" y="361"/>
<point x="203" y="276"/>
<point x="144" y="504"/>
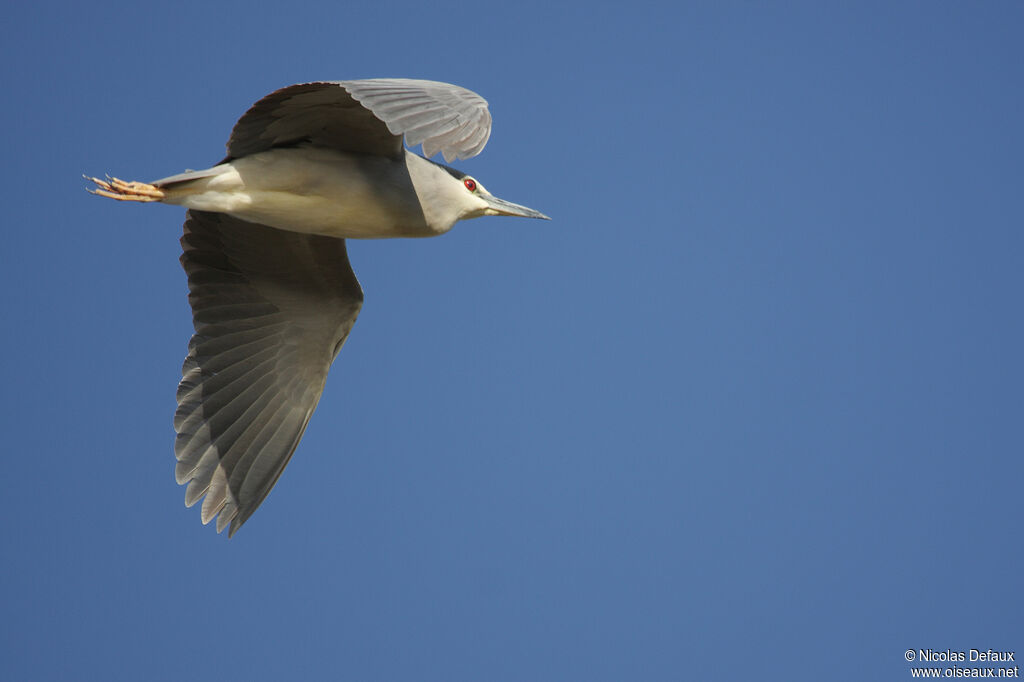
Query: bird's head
<point x="448" y="195"/>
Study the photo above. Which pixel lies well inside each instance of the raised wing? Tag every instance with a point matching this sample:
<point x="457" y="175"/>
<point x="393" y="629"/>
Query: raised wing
<point x="271" y="310"/>
<point x="367" y="117"/>
<point x="444" y="118"/>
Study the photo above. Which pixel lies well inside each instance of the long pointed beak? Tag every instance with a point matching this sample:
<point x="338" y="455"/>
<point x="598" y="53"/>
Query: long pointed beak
<point x="498" y="206"/>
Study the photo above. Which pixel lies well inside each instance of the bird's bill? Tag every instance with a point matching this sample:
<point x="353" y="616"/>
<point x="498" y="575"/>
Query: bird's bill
<point x="496" y="206"/>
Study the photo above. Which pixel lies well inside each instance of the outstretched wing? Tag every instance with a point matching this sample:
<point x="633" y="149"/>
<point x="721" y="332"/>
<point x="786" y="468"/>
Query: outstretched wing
<point x="271" y="310"/>
<point x="367" y="117"/>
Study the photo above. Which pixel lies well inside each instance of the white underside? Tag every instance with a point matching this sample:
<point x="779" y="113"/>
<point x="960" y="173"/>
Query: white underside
<point x="314" y="190"/>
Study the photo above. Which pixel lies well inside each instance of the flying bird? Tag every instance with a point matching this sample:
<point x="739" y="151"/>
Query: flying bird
<point x="272" y="292"/>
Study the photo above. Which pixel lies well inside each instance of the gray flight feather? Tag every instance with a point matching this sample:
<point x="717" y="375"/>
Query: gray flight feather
<point x="368" y="117"/>
<point x="271" y="310"/>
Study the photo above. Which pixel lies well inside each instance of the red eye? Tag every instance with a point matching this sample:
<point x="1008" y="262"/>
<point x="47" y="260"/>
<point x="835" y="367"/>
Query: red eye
<point x="470" y="184"/>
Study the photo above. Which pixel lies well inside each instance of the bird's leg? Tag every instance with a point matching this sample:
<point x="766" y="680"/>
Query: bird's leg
<point x="114" y="188"/>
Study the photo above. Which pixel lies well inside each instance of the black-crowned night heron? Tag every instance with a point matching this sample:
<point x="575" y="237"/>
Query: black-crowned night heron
<point x="272" y="293"/>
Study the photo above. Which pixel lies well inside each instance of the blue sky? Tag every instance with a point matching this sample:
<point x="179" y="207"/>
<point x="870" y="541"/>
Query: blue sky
<point x="748" y="407"/>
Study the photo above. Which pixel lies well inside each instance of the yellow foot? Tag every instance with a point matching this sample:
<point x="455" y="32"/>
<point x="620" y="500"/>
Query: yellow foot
<point x="126" y="191"/>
